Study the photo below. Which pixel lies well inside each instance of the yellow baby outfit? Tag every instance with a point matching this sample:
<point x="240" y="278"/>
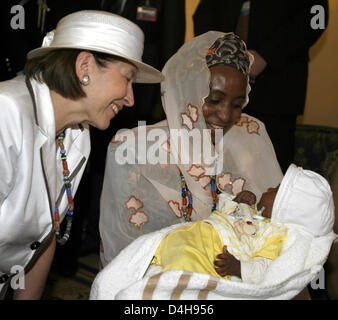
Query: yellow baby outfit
<point x="246" y="234"/>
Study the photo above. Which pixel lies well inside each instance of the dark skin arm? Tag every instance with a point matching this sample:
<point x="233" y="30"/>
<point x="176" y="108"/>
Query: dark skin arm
<point x="227" y="264"/>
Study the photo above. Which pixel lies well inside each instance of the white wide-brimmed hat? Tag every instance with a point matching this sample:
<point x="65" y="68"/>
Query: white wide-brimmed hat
<point x="104" y="32"/>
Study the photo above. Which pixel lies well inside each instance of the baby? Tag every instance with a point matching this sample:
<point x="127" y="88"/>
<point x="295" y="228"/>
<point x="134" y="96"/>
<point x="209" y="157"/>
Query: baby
<point x="302" y="213"/>
<point x="241" y="239"/>
<point x="250" y="240"/>
<point x="243" y="233"/>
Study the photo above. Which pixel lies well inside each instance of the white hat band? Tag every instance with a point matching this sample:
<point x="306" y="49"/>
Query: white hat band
<point x="102" y="38"/>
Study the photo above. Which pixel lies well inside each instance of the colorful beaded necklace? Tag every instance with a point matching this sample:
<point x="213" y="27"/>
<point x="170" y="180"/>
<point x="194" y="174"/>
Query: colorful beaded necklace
<point x="63" y="239"/>
<point x="186" y="207"/>
<point x="187" y="204"/>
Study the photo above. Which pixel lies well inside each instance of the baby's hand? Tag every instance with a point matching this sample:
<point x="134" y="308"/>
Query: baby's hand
<point x="227" y="265"/>
<point x="247" y="197"/>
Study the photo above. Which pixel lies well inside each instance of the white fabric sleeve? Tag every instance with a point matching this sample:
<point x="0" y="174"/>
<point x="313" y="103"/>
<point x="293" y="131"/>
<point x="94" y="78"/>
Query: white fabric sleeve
<point x="253" y="271"/>
<point x="10" y="145"/>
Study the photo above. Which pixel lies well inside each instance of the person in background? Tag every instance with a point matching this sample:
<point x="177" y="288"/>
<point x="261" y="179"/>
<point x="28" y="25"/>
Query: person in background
<point x="279" y="35"/>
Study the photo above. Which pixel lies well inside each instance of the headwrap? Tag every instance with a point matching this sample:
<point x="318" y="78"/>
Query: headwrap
<point x="229" y="50"/>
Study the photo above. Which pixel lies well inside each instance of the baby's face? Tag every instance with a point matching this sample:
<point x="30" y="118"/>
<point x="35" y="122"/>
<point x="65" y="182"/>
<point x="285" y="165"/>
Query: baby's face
<point x="267" y="201"/>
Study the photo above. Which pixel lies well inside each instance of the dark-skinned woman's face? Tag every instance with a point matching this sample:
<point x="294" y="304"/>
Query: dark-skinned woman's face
<point x="223" y="106"/>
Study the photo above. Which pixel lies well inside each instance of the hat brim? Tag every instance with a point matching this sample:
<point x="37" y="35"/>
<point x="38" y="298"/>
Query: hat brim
<point x="145" y="73"/>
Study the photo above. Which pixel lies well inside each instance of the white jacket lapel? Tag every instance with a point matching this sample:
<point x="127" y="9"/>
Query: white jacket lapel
<point x="45" y="121"/>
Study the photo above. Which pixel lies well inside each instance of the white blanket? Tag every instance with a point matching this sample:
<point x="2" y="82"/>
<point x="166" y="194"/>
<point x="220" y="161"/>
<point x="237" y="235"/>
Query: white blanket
<point x="125" y="277"/>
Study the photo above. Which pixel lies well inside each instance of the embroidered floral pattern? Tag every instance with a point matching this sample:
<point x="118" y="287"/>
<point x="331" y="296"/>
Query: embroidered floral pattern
<point x="252" y="126"/>
<point x="196" y="171"/>
<point x="224" y="180"/>
<point x="134" y="203"/>
<point x="242" y="121"/>
<point x="204" y="181"/>
<point x="235" y="185"/>
<point x="138" y="218"/>
<point x="188" y="119"/>
<point x="193" y="112"/>
<point x="175" y="207"/>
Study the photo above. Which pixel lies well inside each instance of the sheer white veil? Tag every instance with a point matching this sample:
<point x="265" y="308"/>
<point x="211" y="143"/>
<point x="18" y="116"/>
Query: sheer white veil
<point x="246" y="153"/>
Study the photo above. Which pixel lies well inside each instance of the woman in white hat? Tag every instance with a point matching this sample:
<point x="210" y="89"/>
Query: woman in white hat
<point x="82" y="75"/>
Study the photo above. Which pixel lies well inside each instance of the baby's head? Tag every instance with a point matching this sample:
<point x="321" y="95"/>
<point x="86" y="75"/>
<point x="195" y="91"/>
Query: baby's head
<point x="266" y="201"/>
<point x="304" y="199"/>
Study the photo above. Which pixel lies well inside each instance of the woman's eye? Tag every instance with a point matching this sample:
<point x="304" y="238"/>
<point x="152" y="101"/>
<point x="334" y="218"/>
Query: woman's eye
<point x="214" y="101"/>
<point x="237" y="105"/>
<point x="129" y="78"/>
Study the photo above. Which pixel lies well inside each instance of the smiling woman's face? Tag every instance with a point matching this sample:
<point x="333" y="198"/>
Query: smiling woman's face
<point x="223" y="106"/>
<point x="109" y="90"/>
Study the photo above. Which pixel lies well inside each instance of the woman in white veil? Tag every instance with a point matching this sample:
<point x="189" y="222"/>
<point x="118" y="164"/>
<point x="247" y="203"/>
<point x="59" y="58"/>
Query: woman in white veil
<point x="151" y="185"/>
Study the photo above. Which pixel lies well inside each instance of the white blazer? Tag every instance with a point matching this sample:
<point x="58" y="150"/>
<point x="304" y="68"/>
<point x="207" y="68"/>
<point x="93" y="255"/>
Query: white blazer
<point x="31" y="179"/>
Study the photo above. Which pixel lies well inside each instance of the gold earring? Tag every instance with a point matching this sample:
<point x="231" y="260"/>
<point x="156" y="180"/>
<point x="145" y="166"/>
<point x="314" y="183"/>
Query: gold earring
<point x="85" y="80"/>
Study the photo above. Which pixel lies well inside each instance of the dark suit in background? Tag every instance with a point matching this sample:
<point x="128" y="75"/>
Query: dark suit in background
<point x="20" y="41"/>
<point x="280" y="31"/>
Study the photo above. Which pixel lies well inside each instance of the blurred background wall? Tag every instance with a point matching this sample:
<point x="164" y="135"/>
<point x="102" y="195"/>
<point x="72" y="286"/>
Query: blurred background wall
<point x="322" y="96"/>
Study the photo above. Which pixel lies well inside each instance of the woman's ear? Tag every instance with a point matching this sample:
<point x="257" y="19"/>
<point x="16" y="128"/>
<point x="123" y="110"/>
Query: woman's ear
<point x="83" y="64"/>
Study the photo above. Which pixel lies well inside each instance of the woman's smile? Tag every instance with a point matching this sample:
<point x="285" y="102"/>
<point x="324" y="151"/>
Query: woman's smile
<point x="214" y="126"/>
<point x="116" y="108"/>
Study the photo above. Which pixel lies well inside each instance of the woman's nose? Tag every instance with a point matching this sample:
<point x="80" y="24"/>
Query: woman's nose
<point x="129" y="98"/>
<point x="229" y="115"/>
<point x="225" y="114"/>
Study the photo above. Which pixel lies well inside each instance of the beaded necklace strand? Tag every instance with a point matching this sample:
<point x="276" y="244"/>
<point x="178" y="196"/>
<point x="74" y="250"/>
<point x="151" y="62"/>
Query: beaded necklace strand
<point x="187" y="204"/>
<point x="214" y="192"/>
<point x="63" y="239"/>
<point x="186" y="207"/>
